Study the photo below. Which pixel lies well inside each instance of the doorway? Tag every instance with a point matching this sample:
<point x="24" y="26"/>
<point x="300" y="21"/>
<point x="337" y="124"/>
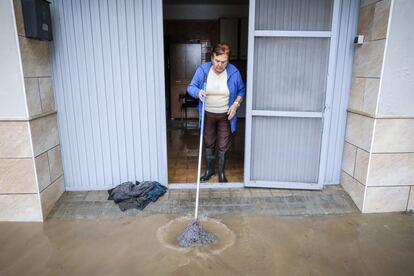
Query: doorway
<point x="190" y="30"/>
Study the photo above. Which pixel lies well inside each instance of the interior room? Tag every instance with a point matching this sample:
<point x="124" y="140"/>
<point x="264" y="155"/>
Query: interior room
<point x="191" y="28"/>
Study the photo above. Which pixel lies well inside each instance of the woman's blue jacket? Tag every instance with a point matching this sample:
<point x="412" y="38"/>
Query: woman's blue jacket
<point x="234" y="83"/>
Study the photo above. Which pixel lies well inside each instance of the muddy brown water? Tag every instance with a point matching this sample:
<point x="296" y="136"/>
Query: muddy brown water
<point x="249" y="245"/>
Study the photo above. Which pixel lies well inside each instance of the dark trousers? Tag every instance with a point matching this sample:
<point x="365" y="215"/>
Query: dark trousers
<point x="217" y="131"/>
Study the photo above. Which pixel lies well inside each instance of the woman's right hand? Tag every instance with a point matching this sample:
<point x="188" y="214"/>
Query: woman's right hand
<point x="201" y="94"/>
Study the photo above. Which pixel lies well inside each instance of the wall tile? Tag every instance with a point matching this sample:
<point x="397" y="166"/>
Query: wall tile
<point x="366" y="17"/>
<point x="394" y="135"/>
<point x="359" y="130"/>
<point x="20" y="208"/>
<point x="371" y="90"/>
<point x="391" y="169"/>
<point x="42" y="169"/>
<point x="410" y="205"/>
<point x="46" y="94"/>
<point x="17" y="176"/>
<point x="348" y="161"/>
<point x="15" y="139"/>
<point x="364" y="95"/>
<point x="19" y="16"/>
<point x="50" y="195"/>
<point x="361" y="166"/>
<point x="33" y="96"/>
<point x="353" y="188"/>
<point x="55" y="163"/>
<point x="44" y="133"/>
<point x="380" y="21"/>
<point x="386" y="199"/>
<point x="356" y="99"/>
<point x="35" y="57"/>
<point x="368" y="59"/>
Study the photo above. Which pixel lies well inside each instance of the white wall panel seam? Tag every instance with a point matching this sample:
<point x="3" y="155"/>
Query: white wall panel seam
<point x="103" y="114"/>
<point x="113" y="22"/>
<point x="69" y="100"/>
<point x="139" y="136"/>
<point x="126" y="93"/>
<point x="147" y="170"/>
<point x="93" y="106"/>
<point x="131" y="174"/>
<point x="88" y="133"/>
<point x="75" y="75"/>
<point x="140" y="85"/>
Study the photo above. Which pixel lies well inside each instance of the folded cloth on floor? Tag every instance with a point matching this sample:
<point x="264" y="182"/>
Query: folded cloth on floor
<point x="129" y="195"/>
<point x="128" y="190"/>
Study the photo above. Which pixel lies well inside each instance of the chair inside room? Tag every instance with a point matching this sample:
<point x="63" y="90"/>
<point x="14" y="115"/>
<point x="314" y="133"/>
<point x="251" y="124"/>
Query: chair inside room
<point x="187" y="102"/>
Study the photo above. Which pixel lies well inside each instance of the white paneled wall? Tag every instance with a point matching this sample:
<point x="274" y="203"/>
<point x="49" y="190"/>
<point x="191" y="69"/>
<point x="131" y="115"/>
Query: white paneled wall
<point x="108" y="74"/>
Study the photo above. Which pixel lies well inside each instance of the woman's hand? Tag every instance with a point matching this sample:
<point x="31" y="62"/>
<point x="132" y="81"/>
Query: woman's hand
<point x="201" y="94"/>
<point x="232" y="110"/>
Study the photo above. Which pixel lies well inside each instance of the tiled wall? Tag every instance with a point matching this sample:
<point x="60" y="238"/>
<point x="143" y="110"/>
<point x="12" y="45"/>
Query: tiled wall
<point x="30" y="160"/>
<point x="378" y="163"/>
<point x="42" y="114"/>
<point x="19" y="196"/>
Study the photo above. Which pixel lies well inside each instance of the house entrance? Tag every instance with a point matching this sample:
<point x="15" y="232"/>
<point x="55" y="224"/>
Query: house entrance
<point x="190" y="31"/>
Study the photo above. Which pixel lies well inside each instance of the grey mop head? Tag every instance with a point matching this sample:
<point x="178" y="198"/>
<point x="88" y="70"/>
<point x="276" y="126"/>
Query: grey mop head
<point x="195" y="235"/>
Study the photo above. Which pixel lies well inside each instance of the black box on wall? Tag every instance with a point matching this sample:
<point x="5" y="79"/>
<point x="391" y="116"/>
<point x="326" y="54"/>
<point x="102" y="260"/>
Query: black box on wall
<point x="37" y="20"/>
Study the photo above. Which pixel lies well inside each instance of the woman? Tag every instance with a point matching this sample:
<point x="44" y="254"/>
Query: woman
<point x="224" y="93"/>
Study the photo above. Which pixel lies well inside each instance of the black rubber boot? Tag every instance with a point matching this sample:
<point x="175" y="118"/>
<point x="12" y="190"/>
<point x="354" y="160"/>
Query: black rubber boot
<point x="209" y="165"/>
<point x="222" y="164"/>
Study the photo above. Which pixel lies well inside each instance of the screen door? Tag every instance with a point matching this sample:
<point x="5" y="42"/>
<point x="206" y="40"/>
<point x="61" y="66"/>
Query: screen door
<point x="291" y="50"/>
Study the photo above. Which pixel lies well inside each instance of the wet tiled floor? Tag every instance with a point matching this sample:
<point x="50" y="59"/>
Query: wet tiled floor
<point x="332" y="200"/>
<point x="183" y="147"/>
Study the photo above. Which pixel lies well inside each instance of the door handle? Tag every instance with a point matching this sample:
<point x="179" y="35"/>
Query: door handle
<point x="177" y="81"/>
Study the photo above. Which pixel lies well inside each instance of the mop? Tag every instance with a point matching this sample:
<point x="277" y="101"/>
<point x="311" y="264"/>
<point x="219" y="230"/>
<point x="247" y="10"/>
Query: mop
<point x="194" y="234"/>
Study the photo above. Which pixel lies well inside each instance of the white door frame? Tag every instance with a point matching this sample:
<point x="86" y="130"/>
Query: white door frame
<point x="325" y="115"/>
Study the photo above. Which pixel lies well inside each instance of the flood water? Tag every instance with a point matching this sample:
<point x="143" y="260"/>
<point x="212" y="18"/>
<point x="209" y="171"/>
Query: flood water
<point x="248" y="245"/>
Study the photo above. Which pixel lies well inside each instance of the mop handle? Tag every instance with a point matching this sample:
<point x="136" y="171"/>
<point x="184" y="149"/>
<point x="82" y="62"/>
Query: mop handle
<point x="200" y="152"/>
